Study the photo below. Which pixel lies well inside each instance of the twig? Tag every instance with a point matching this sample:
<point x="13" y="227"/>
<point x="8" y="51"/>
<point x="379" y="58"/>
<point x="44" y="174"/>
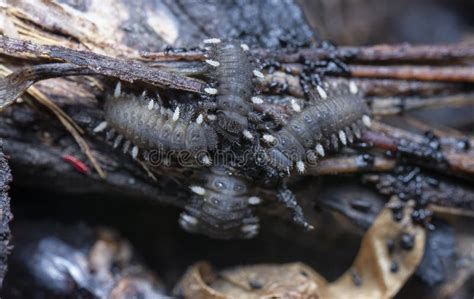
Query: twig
<point x="377" y="53"/>
<point x="350" y="164"/>
<point x="423" y="73"/>
<point x="406" y="143"/>
<point x="127" y="70"/>
<point x="172" y="56"/>
<point x="16" y="83"/>
<point x="396" y="105"/>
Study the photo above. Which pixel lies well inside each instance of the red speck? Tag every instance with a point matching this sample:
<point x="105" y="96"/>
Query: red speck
<point x="76" y="163"/>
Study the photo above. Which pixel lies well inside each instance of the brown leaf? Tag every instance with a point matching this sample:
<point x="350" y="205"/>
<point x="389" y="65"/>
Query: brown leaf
<point x="261" y="281"/>
<point x="374" y="261"/>
<point x="372" y="275"/>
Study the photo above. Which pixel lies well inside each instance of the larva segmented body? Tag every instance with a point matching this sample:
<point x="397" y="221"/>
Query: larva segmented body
<point x="220" y="208"/>
<point x="337" y="117"/>
<point x="141" y="121"/>
<point x="232" y="70"/>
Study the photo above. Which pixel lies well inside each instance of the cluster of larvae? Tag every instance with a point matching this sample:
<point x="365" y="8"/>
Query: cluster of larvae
<point x="333" y="116"/>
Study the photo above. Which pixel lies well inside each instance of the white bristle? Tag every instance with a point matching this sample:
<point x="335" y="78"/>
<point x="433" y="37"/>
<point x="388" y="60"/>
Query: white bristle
<point x="118" y="89"/>
<point x="244" y="47"/>
<point x="250" y="227"/>
<point x="254" y="200"/>
<point x="300" y="166"/>
<point x="199" y="119"/>
<point x="322" y="92"/>
<point x="176" y="114"/>
<point x="144" y="94"/>
<point x="268" y="138"/>
<point x="320" y="149"/>
<point x="211" y="117"/>
<point x="210" y="90"/>
<point x="366" y="120"/>
<point x="189" y="219"/>
<point x="342" y="137"/>
<point x="126" y="146"/>
<point x="151" y="103"/>
<point x="135" y="152"/>
<point x="100" y="127"/>
<point x="247" y="134"/>
<point x="213" y="63"/>
<point x="117" y="141"/>
<point x="198" y="190"/>
<point x="353" y="88"/>
<point x="206" y="160"/>
<point x="257" y="100"/>
<point x="258" y="74"/>
<point x="295" y="106"/>
<point x="211" y="41"/>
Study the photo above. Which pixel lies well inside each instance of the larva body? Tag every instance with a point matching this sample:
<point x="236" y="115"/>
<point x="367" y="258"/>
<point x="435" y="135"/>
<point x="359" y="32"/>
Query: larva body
<point x="144" y="123"/>
<point x="232" y="70"/>
<point x="335" y="118"/>
<point x="221" y="207"/>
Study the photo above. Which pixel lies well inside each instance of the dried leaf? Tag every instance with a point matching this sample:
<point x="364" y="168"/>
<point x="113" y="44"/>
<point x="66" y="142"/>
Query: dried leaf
<point x="261" y="281"/>
<point x="372" y="275"/>
<point x="374" y="261"/>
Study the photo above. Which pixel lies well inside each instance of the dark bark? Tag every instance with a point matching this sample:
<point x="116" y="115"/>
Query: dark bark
<point x="5" y="214"/>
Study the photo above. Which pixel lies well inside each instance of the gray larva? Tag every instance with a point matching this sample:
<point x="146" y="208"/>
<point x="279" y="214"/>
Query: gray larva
<point x="146" y="124"/>
<point x="335" y="119"/>
<point x="220" y="207"/>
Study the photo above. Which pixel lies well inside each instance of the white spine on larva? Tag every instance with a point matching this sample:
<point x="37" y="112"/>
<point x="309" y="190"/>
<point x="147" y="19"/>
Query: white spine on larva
<point x="244" y="47"/>
<point x="247" y="134"/>
<point x="300" y="166"/>
<point x="295" y="106"/>
<point x="199" y="119"/>
<point x="250" y="228"/>
<point x="206" y="160"/>
<point x="256" y="100"/>
<point x="213" y="63"/>
<point x="210" y="90"/>
<point x="189" y="219"/>
<point x="117" y="141"/>
<point x="198" y="190"/>
<point x="118" y="89"/>
<point x="320" y="149"/>
<point x="342" y="137"/>
<point x="254" y="200"/>
<point x="212" y="41"/>
<point x="151" y="103"/>
<point x="353" y="87"/>
<point x="100" y="127"/>
<point x="176" y="114"/>
<point x="322" y="93"/>
<point x="268" y="138"/>
<point x="258" y="74"/>
<point x="135" y="152"/>
<point x="211" y="117"/>
<point x="366" y="120"/>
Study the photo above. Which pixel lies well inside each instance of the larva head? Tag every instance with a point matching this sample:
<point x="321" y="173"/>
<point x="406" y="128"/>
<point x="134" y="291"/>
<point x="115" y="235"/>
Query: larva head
<point x="232" y="114"/>
<point x="287" y="143"/>
<point x="232" y="122"/>
<point x="278" y="159"/>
